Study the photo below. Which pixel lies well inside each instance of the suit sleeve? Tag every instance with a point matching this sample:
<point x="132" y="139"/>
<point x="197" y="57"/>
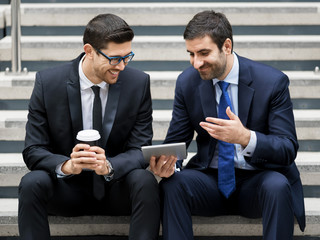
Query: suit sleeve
<point x="37" y="153"/>
<point x="278" y="145"/>
<point x="180" y="129"/>
<point x="140" y="135"/>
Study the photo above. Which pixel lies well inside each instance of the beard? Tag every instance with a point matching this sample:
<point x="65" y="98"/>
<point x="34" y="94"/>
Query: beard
<point x="214" y="68"/>
<point x="211" y="71"/>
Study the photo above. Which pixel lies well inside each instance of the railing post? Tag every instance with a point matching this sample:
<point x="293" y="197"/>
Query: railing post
<point x="15" y="36"/>
<point x="15" y="39"/>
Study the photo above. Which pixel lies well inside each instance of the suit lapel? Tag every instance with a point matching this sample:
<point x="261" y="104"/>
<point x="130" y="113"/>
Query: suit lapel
<point x="74" y="97"/>
<point x="245" y="93"/>
<point x="209" y="107"/>
<point x="207" y="96"/>
<point x="111" y="110"/>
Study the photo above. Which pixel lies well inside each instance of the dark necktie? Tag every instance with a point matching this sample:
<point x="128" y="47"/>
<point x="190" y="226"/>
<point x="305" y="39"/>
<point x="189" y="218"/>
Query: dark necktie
<point x="97" y="110"/>
<point x="98" y="181"/>
<point x="226" y="177"/>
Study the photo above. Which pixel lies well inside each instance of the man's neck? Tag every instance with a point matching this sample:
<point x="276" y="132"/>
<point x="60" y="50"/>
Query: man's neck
<point x="229" y="65"/>
<point x="88" y="71"/>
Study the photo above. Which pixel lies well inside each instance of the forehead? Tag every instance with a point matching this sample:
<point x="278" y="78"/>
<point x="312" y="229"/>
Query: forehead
<point x="117" y="49"/>
<point x="201" y="43"/>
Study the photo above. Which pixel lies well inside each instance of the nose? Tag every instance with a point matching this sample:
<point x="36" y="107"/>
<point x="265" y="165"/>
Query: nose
<point x="121" y="65"/>
<point x="197" y="62"/>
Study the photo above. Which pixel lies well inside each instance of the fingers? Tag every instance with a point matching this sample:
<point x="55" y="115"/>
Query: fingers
<point x="152" y="164"/>
<point x="82" y="154"/>
<point x="81" y="147"/>
<point x="230" y="114"/>
<point x="164" y="166"/>
<point x="100" y="166"/>
<point x="97" y="150"/>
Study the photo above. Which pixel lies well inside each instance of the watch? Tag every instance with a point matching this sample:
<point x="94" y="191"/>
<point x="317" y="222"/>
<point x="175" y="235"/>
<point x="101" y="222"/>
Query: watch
<point x="108" y="177"/>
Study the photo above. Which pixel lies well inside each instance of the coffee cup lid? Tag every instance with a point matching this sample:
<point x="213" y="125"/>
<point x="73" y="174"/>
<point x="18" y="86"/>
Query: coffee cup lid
<point x="88" y="135"/>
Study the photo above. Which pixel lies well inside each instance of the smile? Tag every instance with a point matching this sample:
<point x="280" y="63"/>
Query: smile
<point x="114" y="73"/>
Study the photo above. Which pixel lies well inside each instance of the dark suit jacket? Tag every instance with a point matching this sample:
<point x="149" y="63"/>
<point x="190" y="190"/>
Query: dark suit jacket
<point x="264" y="107"/>
<point x="55" y="117"/>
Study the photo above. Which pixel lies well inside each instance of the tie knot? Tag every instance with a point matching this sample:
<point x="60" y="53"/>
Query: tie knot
<point x="223" y="86"/>
<point x="96" y="90"/>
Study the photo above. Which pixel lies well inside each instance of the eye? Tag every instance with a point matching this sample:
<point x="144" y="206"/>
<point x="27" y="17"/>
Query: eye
<point x="115" y="60"/>
<point x="204" y="53"/>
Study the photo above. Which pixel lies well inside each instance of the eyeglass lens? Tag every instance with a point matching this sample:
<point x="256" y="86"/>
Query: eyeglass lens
<point x="115" y="61"/>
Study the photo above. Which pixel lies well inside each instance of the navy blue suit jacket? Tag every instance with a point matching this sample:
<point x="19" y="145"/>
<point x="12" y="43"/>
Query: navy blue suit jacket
<point x="55" y="117"/>
<point x="264" y="107"/>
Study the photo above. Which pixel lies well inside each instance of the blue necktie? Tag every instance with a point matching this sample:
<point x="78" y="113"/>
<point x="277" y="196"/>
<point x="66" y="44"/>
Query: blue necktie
<point x="226" y="178"/>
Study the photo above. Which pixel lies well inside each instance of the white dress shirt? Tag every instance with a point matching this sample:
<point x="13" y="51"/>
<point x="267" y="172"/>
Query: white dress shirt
<point x="240" y="152"/>
<point x="87" y="97"/>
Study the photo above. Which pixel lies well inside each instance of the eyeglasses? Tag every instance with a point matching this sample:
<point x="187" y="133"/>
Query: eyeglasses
<point x="116" y="60"/>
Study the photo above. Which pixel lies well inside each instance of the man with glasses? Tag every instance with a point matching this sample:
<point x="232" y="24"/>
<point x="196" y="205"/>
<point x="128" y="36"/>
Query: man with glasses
<point x="98" y="91"/>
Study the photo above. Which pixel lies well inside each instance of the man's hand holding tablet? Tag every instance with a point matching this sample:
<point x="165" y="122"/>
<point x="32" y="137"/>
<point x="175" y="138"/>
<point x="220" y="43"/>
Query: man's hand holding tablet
<point x="162" y="158"/>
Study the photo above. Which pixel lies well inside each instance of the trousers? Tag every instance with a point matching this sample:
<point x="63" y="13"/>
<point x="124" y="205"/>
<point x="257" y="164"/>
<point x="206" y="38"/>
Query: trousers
<point x="265" y="194"/>
<point x="40" y="195"/>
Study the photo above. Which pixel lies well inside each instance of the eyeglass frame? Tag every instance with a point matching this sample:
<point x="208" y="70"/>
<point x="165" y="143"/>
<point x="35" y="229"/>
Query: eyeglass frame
<point x="119" y="58"/>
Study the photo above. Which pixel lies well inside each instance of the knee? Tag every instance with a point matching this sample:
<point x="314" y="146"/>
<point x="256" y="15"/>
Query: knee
<point x="276" y="187"/>
<point x="35" y="183"/>
<point x="172" y="186"/>
<point x="143" y="182"/>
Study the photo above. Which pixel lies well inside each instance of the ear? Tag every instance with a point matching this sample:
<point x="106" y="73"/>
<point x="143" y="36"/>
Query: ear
<point x="89" y="50"/>
<point x="227" y="46"/>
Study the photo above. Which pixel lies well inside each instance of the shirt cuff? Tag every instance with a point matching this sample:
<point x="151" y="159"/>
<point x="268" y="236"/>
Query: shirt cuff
<point x="251" y="147"/>
<point x="59" y="172"/>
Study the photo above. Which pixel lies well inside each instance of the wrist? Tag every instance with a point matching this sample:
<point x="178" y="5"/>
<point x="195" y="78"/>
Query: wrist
<point x="246" y="138"/>
<point x="65" y="168"/>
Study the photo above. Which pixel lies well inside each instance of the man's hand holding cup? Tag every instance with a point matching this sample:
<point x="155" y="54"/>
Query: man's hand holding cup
<point x="87" y="155"/>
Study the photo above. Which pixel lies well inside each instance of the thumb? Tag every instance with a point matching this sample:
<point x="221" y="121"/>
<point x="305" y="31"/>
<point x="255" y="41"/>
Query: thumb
<point x="230" y="114"/>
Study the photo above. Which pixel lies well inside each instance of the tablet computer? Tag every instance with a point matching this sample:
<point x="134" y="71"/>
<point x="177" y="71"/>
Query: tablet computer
<point x="176" y="149"/>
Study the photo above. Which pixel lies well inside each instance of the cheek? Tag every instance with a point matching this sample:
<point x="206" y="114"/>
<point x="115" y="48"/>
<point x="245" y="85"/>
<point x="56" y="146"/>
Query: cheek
<point x="103" y="68"/>
<point x="191" y="60"/>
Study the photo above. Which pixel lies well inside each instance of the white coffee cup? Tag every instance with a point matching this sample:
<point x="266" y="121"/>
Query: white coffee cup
<point x="89" y="136"/>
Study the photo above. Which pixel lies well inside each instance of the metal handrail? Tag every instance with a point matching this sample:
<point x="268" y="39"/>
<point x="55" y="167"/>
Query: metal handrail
<point x="15" y="39"/>
<point x="15" y="36"/>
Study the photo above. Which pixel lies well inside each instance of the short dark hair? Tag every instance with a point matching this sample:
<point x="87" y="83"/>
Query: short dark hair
<point x="106" y="28"/>
<point x="209" y="23"/>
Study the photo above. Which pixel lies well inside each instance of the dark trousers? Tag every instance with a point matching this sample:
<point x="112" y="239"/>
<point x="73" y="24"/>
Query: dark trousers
<point x="136" y="194"/>
<point x="265" y="194"/>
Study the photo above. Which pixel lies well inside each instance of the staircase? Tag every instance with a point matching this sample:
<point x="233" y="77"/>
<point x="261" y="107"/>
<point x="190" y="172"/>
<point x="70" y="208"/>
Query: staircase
<point x="285" y="35"/>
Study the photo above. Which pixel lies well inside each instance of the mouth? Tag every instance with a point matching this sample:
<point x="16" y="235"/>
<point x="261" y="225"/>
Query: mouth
<point x="204" y="68"/>
<point x="114" y="73"/>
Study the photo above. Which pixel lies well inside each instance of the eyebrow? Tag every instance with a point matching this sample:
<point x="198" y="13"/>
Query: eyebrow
<point x="201" y="50"/>
<point x="119" y="55"/>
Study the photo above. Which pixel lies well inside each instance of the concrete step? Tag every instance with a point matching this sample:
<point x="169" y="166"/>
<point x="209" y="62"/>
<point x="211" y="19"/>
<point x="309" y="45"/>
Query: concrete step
<point x="303" y="84"/>
<point x="12" y="168"/>
<point x="12" y="124"/>
<point x="119" y="225"/>
<point x="169" y="13"/>
<point x="168" y="48"/>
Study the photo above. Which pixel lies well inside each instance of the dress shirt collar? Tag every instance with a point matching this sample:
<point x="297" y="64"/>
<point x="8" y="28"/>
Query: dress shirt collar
<point x="85" y="83"/>
<point x="233" y="76"/>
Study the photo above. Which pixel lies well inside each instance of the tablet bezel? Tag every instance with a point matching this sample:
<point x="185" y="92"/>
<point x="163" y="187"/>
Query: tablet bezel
<point x="176" y="149"/>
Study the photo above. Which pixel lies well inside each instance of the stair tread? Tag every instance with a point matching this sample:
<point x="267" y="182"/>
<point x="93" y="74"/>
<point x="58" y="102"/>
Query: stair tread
<point x="15" y="159"/>
<point x="302" y="78"/>
<point x="9" y="206"/>
<point x="162" y="115"/>
<point x="61" y="40"/>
